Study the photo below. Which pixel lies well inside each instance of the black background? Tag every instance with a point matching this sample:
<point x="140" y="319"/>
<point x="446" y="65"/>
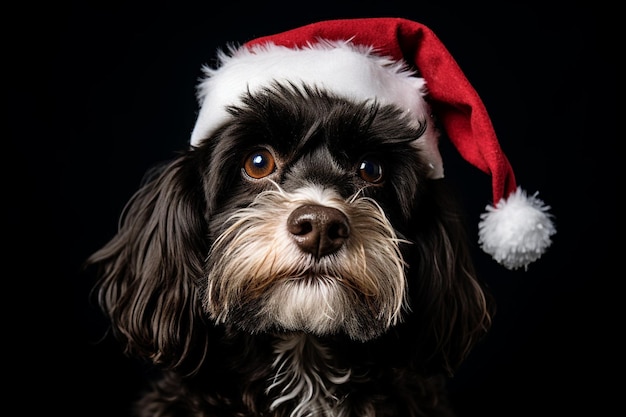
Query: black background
<point x="100" y="91"/>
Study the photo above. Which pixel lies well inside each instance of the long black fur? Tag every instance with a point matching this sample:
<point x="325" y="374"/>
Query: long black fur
<point x="152" y="272"/>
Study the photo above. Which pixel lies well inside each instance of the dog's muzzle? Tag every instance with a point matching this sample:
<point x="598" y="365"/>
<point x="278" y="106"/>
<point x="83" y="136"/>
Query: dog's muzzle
<point x="307" y="261"/>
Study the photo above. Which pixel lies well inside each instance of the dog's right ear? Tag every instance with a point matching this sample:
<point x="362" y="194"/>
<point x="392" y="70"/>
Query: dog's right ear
<point x="148" y="273"/>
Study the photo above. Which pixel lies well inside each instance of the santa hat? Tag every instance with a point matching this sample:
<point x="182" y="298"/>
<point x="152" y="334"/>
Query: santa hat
<point x="390" y="61"/>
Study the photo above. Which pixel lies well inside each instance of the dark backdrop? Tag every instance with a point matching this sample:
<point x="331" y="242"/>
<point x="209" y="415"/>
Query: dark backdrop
<point x="99" y="91"/>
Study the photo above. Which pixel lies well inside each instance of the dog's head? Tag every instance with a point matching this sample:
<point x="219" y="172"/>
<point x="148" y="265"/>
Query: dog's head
<point x="308" y="212"/>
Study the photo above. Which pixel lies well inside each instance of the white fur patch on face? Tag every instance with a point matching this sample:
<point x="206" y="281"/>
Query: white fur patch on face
<point x="358" y="290"/>
<point x="340" y="67"/>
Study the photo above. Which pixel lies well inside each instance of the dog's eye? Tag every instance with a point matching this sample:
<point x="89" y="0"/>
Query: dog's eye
<point x="371" y="170"/>
<point x="259" y="164"/>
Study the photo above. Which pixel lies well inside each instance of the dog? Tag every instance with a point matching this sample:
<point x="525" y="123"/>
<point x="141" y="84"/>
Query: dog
<point x="299" y="259"/>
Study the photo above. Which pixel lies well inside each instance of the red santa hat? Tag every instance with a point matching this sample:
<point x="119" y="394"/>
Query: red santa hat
<point x="390" y="61"/>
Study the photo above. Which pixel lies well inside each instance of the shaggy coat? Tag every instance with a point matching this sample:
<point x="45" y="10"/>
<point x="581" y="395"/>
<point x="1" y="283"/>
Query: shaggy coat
<point x="298" y="262"/>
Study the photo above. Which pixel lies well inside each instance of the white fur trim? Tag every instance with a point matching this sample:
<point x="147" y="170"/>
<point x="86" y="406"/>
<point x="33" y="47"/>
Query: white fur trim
<point x="348" y="70"/>
<point x="517" y="230"/>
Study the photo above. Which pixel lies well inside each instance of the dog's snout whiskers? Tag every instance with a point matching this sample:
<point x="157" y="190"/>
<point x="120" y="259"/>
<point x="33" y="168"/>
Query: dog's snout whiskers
<point x="318" y="230"/>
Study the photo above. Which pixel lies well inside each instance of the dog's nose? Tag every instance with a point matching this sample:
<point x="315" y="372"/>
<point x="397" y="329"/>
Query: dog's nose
<point x="318" y="230"/>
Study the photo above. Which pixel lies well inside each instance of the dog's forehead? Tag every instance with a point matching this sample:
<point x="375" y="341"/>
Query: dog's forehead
<point x="319" y="162"/>
<point x="313" y="122"/>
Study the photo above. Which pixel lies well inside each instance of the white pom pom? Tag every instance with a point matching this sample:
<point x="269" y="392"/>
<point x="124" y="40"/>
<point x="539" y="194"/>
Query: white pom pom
<point x="517" y="230"/>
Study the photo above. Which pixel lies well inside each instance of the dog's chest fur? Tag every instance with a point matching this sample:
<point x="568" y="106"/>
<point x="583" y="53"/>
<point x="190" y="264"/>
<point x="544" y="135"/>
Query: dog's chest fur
<point x="308" y="376"/>
<point x="305" y="374"/>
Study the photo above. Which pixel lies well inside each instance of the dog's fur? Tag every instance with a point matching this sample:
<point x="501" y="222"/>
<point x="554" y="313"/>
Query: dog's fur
<point x="213" y="278"/>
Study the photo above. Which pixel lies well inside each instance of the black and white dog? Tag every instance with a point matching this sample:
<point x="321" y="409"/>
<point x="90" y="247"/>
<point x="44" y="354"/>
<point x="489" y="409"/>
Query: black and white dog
<point x="299" y="259"/>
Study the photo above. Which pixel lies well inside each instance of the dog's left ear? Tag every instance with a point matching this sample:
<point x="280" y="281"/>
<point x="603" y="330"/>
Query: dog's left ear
<point x="451" y="308"/>
<point x="148" y="272"/>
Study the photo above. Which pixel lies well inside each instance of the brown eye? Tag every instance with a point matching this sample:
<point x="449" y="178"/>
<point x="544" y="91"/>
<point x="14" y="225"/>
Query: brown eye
<point x="259" y="164"/>
<point x="371" y="170"/>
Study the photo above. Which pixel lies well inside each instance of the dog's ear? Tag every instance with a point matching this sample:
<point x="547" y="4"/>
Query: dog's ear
<point x="148" y="273"/>
<point x="452" y="308"/>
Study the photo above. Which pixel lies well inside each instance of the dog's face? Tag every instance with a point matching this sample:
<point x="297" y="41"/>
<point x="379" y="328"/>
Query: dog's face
<point x="310" y="199"/>
<point x="306" y="212"/>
